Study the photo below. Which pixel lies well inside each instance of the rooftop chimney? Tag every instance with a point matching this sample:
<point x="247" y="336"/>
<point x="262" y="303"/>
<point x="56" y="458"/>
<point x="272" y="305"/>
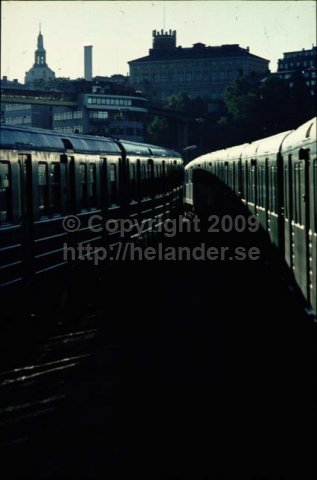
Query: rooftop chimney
<point x="88" y="62"/>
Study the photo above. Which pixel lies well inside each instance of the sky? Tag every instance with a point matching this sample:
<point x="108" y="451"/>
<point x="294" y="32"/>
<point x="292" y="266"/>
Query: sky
<point x="122" y="31"/>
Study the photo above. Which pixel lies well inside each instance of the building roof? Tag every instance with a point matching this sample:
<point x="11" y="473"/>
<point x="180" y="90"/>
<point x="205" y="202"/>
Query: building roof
<point x="198" y="51"/>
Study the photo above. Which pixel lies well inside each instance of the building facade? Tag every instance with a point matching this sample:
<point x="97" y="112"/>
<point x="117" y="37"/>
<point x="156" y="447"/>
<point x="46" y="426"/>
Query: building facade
<point x="200" y="71"/>
<point x="299" y="63"/>
<point x="28" y="115"/>
<point x="104" y="111"/>
<point x="40" y="73"/>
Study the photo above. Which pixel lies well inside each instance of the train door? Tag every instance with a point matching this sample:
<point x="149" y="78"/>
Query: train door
<point x="252" y="200"/>
<point x="288" y="210"/>
<point x="240" y="182"/>
<point x="234" y="183"/>
<point x="261" y="193"/>
<point x="300" y="233"/>
<point x="274" y="212"/>
<point x="113" y="201"/>
<point x="245" y="170"/>
<point x="313" y="234"/>
<point x="28" y="211"/>
<point x="12" y="252"/>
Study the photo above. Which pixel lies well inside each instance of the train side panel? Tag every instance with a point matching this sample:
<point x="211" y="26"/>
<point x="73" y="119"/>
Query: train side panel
<point x="299" y="170"/>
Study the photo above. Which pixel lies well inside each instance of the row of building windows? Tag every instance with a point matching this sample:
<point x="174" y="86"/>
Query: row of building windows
<point x="188" y="76"/>
<point x="117" y="115"/>
<point x="12" y="107"/>
<point x="68" y="115"/>
<point x="124" y="102"/>
<point x="298" y="64"/>
<point x="202" y="65"/>
<point x="308" y="82"/>
<point x="27" y="119"/>
<point x="310" y="74"/>
<point x="126" y="131"/>
<point x="98" y="114"/>
<point x="305" y="53"/>
<point x="73" y="129"/>
<point x="112" y="131"/>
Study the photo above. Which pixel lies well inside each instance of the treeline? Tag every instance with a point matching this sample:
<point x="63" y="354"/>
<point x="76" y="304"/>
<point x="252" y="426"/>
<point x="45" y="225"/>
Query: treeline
<point x="251" y="110"/>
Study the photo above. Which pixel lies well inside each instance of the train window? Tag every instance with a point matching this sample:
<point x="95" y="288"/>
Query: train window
<point x="157" y="180"/>
<point x="240" y="180"/>
<point x="273" y="189"/>
<point x="252" y="182"/>
<point x="92" y="186"/>
<point x="286" y="192"/>
<point x="233" y="176"/>
<point x="55" y="187"/>
<point x="113" y="184"/>
<point x="144" y="177"/>
<point x="5" y="192"/>
<point x="227" y="177"/>
<point x="150" y="167"/>
<point x="43" y="188"/>
<point x="260" y="186"/>
<point x="297" y="192"/>
<point x="144" y="171"/>
<point x="133" y="181"/>
<point x="83" y="186"/>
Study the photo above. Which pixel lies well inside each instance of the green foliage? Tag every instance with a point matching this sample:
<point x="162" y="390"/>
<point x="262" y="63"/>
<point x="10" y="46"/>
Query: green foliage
<point x="254" y="110"/>
<point x="178" y="102"/>
<point x="158" y="124"/>
<point x="192" y="107"/>
<point x="158" y="131"/>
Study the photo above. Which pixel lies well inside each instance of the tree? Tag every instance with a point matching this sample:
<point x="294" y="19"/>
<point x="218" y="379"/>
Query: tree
<point x="241" y="99"/>
<point x="178" y="102"/>
<point x="159" y="132"/>
<point x="263" y="109"/>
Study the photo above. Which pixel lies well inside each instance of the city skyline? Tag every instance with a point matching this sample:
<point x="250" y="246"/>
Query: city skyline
<point x="118" y="36"/>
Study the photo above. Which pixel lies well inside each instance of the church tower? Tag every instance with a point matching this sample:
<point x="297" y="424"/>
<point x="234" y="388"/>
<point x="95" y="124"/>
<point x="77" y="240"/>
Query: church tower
<point x="40" y="73"/>
<point x="40" y="53"/>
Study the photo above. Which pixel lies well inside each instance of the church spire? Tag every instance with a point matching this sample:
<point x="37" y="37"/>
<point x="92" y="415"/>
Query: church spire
<point x="40" y="53"/>
<point x="40" y="73"/>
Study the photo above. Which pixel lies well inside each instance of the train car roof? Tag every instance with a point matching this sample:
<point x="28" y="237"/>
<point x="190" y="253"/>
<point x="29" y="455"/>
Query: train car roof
<point x="267" y="145"/>
<point x="196" y="160"/>
<point x="146" y="150"/>
<point x="22" y="138"/>
<point x="235" y="153"/>
<point x="303" y="135"/>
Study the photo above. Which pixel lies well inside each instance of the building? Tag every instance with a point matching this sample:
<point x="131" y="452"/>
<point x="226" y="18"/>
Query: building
<point x="26" y="115"/>
<point x="107" y="109"/>
<point x="300" y="63"/>
<point x="200" y="71"/>
<point x="40" y="73"/>
<point x="102" y="105"/>
<point x="21" y="113"/>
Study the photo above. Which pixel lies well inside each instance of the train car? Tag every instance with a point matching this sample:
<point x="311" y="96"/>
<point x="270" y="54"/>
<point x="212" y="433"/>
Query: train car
<point x="51" y="185"/>
<point x="275" y="178"/>
<point x="264" y="185"/>
<point x="300" y="207"/>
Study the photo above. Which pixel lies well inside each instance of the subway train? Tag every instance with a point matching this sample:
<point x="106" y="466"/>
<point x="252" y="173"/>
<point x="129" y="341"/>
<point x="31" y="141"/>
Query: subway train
<point x="276" y="179"/>
<point x="47" y="179"/>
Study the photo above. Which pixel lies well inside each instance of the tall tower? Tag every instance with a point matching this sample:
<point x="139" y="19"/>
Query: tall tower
<point x="88" y="62"/>
<point x="164" y="40"/>
<point x="40" y="52"/>
<point x="40" y="72"/>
